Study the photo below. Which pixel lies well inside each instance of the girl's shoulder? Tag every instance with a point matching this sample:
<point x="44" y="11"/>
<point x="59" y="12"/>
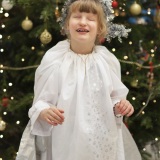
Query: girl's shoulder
<point x="110" y="58"/>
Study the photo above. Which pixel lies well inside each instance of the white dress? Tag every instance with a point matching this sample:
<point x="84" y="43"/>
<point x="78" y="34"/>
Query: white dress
<point x="86" y="87"/>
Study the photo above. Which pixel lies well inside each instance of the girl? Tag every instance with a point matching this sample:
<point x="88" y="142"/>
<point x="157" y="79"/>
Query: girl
<point x="79" y="98"/>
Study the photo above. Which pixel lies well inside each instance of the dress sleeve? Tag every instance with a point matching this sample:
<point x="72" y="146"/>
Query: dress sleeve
<point x="45" y="96"/>
<point x="119" y="91"/>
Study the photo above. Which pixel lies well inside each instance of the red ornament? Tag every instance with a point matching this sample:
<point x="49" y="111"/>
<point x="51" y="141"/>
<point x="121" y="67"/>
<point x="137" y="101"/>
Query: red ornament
<point x="5" y="101"/>
<point x="114" y="4"/>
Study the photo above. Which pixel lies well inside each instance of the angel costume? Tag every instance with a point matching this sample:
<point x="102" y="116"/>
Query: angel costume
<point x="86" y="87"/>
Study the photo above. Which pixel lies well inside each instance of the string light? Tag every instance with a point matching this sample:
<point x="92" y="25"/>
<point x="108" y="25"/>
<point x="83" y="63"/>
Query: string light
<point x="154" y="101"/>
<point x="4" y="113"/>
<point x="143" y="112"/>
<point x="12" y="98"/>
<point x="18" y="122"/>
<point x="133" y="98"/>
<point x="152" y="42"/>
<point x="113" y="49"/>
<point x="32" y="48"/>
<point x="127" y="73"/>
<point x="1" y="136"/>
<point x="10" y="84"/>
<point x="4" y="90"/>
<point x="144" y="103"/>
<point x="149" y="11"/>
<point x="22" y="59"/>
<point x="125" y="57"/>
<point x="3" y="26"/>
<point x="6" y="15"/>
<point x="1" y="50"/>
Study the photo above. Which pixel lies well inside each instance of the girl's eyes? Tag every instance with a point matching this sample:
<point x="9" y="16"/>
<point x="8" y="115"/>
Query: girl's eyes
<point x="89" y="18"/>
<point x="77" y="16"/>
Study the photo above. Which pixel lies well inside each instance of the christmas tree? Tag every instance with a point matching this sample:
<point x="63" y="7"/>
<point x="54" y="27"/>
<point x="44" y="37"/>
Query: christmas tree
<point x="28" y="28"/>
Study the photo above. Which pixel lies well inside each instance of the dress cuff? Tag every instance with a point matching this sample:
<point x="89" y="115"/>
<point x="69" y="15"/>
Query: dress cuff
<point x="38" y="126"/>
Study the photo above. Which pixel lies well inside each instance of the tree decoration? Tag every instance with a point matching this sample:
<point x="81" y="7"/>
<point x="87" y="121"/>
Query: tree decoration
<point x="157" y="15"/>
<point x="150" y="75"/>
<point x="5" y="101"/>
<point x="45" y="37"/>
<point x="7" y="4"/>
<point x="114" y="4"/>
<point x="2" y="124"/>
<point x="134" y="83"/>
<point x="135" y="9"/>
<point x="27" y="24"/>
<point x="142" y="54"/>
<point x="57" y="13"/>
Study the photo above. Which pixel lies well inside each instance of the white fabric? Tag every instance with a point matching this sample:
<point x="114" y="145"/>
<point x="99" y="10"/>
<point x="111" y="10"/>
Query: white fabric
<point x="87" y="93"/>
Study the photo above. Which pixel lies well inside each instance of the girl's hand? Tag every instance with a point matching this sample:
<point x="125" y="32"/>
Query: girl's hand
<point x="52" y="115"/>
<point x="124" y="108"/>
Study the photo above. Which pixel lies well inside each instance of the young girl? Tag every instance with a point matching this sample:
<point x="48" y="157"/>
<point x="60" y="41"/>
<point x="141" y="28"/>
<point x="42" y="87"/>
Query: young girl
<point x="79" y="98"/>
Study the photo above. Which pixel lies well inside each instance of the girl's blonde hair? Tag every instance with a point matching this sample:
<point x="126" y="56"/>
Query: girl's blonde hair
<point x="89" y="6"/>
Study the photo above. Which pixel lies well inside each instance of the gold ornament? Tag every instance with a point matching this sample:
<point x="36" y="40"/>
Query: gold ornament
<point x="157" y="18"/>
<point x="57" y="13"/>
<point x="134" y="83"/>
<point x="122" y="13"/>
<point x="45" y="37"/>
<point x="27" y="24"/>
<point x="135" y="9"/>
<point x="2" y="124"/>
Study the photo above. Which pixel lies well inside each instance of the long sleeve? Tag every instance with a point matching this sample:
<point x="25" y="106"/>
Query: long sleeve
<point x="45" y="95"/>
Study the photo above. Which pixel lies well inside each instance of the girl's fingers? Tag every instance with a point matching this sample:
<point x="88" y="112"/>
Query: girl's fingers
<point x="52" y="116"/>
<point x="55" y="118"/>
<point x="131" y="112"/>
<point x="58" y="112"/>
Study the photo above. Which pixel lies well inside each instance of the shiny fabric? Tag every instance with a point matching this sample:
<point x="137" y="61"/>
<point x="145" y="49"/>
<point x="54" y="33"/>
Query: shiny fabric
<point x="86" y="87"/>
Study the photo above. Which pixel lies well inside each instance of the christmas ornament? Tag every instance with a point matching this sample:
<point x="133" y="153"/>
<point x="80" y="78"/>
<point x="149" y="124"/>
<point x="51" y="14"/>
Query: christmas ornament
<point x="114" y="4"/>
<point x="142" y="54"/>
<point x="157" y="17"/>
<point x="57" y="13"/>
<point x="2" y="124"/>
<point x="7" y="4"/>
<point x="122" y="13"/>
<point x="116" y="12"/>
<point x="5" y="101"/>
<point x="45" y="37"/>
<point x="134" y="83"/>
<point x="135" y="9"/>
<point x="150" y="75"/>
<point x="27" y="24"/>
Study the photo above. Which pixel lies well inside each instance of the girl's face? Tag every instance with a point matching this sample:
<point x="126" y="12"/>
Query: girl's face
<point x="83" y="27"/>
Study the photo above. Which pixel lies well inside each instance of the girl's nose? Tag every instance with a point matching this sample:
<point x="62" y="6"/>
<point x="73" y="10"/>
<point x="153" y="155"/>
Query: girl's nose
<point x="83" y="21"/>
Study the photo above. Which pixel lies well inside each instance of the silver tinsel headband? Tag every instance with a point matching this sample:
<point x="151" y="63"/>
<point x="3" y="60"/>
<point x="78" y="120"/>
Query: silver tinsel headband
<point x="114" y="30"/>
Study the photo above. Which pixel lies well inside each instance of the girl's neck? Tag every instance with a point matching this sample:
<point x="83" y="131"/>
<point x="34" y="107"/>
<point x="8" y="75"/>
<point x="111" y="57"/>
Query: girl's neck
<point x="81" y="48"/>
